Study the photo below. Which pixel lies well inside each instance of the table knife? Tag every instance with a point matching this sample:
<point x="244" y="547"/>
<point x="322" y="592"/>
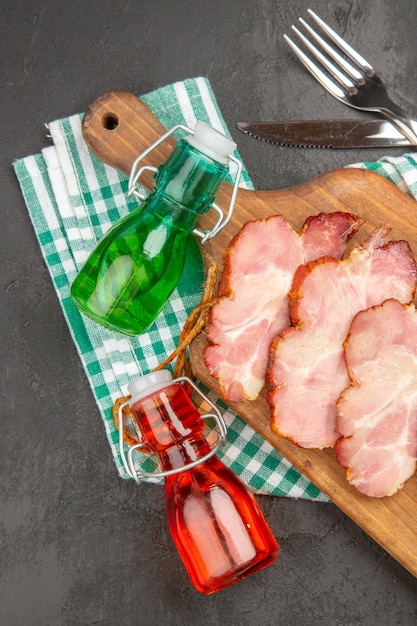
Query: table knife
<point x="327" y="133"/>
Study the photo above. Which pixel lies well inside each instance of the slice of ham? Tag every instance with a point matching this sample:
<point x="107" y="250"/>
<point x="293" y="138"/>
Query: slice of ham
<point x="307" y="369"/>
<point x="252" y="306"/>
<point x="377" y="414"/>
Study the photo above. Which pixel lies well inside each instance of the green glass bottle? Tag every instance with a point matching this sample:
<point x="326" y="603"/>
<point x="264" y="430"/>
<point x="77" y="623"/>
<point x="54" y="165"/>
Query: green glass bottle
<point x="133" y="270"/>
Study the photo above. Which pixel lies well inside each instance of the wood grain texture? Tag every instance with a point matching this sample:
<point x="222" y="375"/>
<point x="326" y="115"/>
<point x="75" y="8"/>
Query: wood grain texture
<point x="389" y="521"/>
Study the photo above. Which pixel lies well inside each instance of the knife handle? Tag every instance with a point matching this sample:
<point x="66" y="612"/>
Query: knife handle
<point x="118" y="127"/>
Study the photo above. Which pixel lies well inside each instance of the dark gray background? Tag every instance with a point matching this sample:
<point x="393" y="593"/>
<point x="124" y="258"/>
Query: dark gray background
<point x="77" y="544"/>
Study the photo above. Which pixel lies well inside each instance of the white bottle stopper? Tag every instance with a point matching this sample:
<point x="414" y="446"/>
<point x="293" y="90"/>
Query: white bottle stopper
<point x="212" y="142"/>
<point x="143" y="386"/>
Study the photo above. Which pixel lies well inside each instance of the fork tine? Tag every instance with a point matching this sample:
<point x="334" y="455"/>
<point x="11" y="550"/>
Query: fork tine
<point x="347" y="67"/>
<point x="320" y="76"/>
<point x="331" y="68"/>
<point x="343" y="45"/>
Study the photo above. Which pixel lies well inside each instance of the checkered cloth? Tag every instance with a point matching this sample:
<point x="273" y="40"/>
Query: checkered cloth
<point x="72" y="199"/>
<point x="402" y="171"/>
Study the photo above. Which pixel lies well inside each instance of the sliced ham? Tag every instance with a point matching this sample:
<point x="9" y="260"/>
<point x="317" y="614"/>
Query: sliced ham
<point x="252" y="307"/>
<point x="307" y="370"/>
<point x="377" y="414"/>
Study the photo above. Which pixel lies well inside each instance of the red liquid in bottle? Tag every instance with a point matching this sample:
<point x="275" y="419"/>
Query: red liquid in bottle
<point x="214" y="520"/>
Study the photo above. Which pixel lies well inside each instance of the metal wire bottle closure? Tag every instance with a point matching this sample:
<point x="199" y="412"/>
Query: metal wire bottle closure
<point x="136" y="173"/>
<point x="128" y="462"/>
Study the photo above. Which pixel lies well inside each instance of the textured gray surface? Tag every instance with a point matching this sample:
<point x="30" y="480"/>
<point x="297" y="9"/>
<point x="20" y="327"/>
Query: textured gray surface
<point x="77" y="544"/>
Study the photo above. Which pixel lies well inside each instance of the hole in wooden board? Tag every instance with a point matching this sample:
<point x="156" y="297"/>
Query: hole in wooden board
<point x="110" y="121"/>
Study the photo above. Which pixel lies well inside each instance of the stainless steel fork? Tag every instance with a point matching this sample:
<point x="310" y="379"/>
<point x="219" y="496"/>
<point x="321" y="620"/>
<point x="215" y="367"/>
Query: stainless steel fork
<point x="357" y="84"/>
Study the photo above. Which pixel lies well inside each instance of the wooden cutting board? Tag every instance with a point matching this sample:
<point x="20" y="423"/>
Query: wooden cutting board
<point x="118" y="127"/>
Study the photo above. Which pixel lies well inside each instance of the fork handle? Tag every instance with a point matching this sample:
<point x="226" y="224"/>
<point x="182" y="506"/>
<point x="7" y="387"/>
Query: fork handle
<point x="406" y="125"/>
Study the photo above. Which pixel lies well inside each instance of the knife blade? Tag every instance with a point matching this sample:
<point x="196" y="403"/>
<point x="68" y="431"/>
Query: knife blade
<point x="327" y="133"/>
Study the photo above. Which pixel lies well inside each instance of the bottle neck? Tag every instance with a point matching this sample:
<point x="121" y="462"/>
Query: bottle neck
<point x="181" y="454"/>
<point x="190" y="179"/>
<point x="171" y="427"/>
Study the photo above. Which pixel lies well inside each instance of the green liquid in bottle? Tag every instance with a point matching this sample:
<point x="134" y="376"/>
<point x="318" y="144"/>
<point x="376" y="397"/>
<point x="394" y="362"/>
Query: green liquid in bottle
<point x="129" y="276"/>
<point x="124" y="286"/>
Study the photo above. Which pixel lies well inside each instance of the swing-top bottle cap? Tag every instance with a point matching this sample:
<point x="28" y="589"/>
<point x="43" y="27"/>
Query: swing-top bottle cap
<point x="143" y="386"/>
<point x="212" y="142"/>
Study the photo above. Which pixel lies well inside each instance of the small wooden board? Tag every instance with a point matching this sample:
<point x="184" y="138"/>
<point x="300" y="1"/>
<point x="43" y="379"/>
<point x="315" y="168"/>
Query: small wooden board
<point x="118" y="127"/>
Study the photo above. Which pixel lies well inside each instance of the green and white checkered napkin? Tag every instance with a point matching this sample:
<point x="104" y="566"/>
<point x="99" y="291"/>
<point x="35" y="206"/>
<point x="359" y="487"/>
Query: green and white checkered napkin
<point x="72" y="199"/>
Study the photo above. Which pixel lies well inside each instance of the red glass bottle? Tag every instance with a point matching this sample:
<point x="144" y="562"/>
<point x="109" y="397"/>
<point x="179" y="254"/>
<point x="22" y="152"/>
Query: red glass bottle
<point x="214" y="520"/>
